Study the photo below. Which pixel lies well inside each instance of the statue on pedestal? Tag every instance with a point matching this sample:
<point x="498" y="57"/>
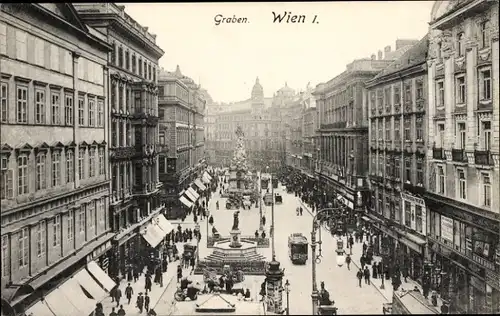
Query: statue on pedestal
<point x="236" y="220"/>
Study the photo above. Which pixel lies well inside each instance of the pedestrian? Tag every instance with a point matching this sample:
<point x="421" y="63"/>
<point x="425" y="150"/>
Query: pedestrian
<point x="140" y="302"/>
<point x="118" y="296"/>
<point x="301" y="210"/>
<point x="193" y="262"/>
<point x="362" y="261"/>
<point x="98" y="310"/>
<point x="348" y="262"/>
<point x="263" y="220"/>
<point x="380" y="271"/>
<point x="351" y="240"/>
<point x="359" y="275"/>
<point x="179" y="273"/>
<point x="364" y="247"/>
<point x="113" y="313"/>
<point x="121" y="311"/>
<point x="146" y="302"/>
<point x="128" y="293"/>
<point x="112" y="293"/>
<point x="147" y="285"/>
<point x="136" y="273"/>
<point x="374" y="270"/>
<point x="129" y="273"/>
<point x="367" y="275"/>
<point x="405" y="274"/>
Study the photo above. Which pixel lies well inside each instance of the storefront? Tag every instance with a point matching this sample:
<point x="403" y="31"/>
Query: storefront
<point x="464" y="249"/>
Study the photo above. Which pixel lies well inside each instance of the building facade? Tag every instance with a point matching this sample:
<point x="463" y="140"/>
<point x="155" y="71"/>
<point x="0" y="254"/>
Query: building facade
<point x="54" y="158"/>
<point x="260" y="119"/>
<point x="463" y="181"/>
<point x="396" y="101"/>
<point x="133" y="113"/>
<point x="343" y="130"/>
<point x="182" y="137"/>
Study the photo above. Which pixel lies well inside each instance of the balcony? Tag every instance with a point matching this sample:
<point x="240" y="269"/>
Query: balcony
<point x="483" y="157"/>
<point x="458" y="155"/>
<point x="162" y="148"/>
<point x="122" y="153"/>
<point x="438" y="153"/>
<point x="334" y="125"/>
<point x="414" y="188"/>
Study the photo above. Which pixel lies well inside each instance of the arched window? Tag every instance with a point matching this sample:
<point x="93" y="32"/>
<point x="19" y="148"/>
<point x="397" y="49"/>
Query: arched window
<point x="461" y="44"/>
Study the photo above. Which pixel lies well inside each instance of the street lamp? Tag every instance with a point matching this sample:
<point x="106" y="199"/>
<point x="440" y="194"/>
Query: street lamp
<point x="287" y="291"/>
<point x="322" y="216"/>
<point x="271" y="230"/>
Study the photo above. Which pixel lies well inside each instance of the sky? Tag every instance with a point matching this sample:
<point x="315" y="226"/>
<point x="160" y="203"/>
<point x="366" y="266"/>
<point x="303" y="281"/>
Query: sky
<point x="227" y="58"/>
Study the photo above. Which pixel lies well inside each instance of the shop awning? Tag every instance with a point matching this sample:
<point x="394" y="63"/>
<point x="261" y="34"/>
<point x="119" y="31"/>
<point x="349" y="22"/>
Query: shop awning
<point x="207" y="175"/>
<point x="164" y="224"/>
<point x="153" y="235"/>
<point x="194" y="193"/>
<point x="74" y="293"/>
<point x="186" y="202"/>
<point x="205" y="179"/>
<point x="39" y="309"/>
<point x="107" y="283"/>
<point x="365" y="218"/>
<point x="189" y="194"/>
<point x="59" y="304"/>
<point x="88" y="283"/>
<point x="200" y="184"/>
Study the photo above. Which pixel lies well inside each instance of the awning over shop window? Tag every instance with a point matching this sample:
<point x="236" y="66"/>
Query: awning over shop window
<point x="205" y="179"/>
<point x="163" y="223"/>
<point x="153" y="235"/>
<point x="365" y="218"/>
<point x="205" y="174"/>
<point x="39" y="309"/>
<point x="190" y="195"/>
<point x="101" y="276"/>
<point x="194" y="193"/>
<point x="74" y="293"/>
<point x="186" y="202"/>
<point x="199" y="184"/>
<point x="59" y="304"/>
<point x="88" y="283"/>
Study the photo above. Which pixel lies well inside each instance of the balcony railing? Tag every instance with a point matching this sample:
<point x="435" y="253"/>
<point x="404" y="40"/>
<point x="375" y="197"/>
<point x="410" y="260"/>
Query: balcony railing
<point x="483" y="157"/>
<point x="438" y="153"/>
<point x="458" y="155"/>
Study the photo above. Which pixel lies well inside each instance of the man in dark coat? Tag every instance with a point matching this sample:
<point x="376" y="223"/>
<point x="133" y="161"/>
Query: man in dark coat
<point x="146" y="302"/>
<point x="128" y="293"/>
<point x="359" y="275"/>
<point x="148" y="283"/>
<point x="140" y="302"/>
<point x="367" y="275"/>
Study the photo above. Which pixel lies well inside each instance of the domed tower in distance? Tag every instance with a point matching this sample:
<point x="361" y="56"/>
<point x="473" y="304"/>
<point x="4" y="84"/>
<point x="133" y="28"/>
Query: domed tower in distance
<point x="257" y="96"/>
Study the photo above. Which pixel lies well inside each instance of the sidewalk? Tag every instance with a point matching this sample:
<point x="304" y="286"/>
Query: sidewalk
<point x="387" y="292"/>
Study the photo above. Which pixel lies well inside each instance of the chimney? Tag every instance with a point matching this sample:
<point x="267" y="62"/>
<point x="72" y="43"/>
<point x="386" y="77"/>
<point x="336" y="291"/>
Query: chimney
<point x="379" y="55"/>
<point x="387" y="49"/>
<point x="374" y="57"/>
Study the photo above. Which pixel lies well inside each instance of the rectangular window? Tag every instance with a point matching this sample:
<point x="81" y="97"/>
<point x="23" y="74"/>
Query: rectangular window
<point x="56" y="169"/>
<point x="484" y="29"/>
<point x="56" y="231"/>
<point x="407" y="129"/>
<point x="462" y="184"/>
<point x="91" y="112"/>
<point x="5" y="256"/>
<point x="113" y="54"/>
<point x="134" y="65"/>
<point x="3" y="42"/>
<point x="440" y="180"/>
<point x="418" y="219"/>
<point x="92" y="162"/>
<point x="127" y="60"/>
<point x="145" y="74"/>
<point x="397" y="169"/>
<point x="21" y="45"/>
<point x="486" y="189"/>
<point x="101" y="161"/>
<point x="440" y="93"/>
<point x="140" y="66"/>
<point x="71" y="225"/>
<point x="23" y="247"/>
<point x="41" y="236"/>
<point x="461" y="92"/>
<point x="397" y="94"/>
<point x="387" y="129"/>
<point x="91" y="214"/>
<point x="407" y="214"/>
<point x="68" y="109"/>
<point x="41" y="172"/>
<point x="81" y="163"/>
<point x="54" y="57"/>
<point x="120" y="57"/>
<point x="81" y="218"/>
<point x="419" y="128"/>
<point x="81" y="111"/>
<point x="485" y="84"/>
<point x="22" y="104"/>
<point x="408" y="92"/>
<point x="22" y="174"/>
<point x="39" y="106"/>
<point x="6" y="183"/>
<point x="100" y="113"/>
<point x="420" y="172"/>
<point x="397" y="129"/>
<point x="462" y="135"/>
<point x="70" y="168"/>
<point x="461" y="44"/>
<point x="4" y="102"/>
<point x="486" y="135"/>
<point x="114" y="103"/>
<point x="419" y="89"/>
<point x="39" y="52"/>
<point x="56" y="114"/>
<point x="408" y="170"/>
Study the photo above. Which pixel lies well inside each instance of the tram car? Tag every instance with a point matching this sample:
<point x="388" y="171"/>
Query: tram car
<point x="297" y="248"/>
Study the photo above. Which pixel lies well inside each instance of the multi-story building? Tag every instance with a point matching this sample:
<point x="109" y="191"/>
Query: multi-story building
<point x="396" y="101"/>
<point x="133" y="124"/>
<point x="260" y="120"/>
<point x="463" y="183"/>
<point x="54" y="159"/>
<point x="182" y="107"/>
<point x="210" y="116"/>
<point x="343" y="131"/>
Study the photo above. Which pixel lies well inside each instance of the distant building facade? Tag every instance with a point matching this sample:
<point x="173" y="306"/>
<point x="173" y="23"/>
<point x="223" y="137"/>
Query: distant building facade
<point x="54" y="158"/>
<point x="182" y="136"/>
<point x="463" y="156"/>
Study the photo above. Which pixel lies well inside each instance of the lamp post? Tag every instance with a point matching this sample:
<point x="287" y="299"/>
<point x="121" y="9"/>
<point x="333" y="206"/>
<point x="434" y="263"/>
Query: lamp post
<point x="287" y="291"/>
<point x="272" y="217"/>
<point x="322" y="216"/>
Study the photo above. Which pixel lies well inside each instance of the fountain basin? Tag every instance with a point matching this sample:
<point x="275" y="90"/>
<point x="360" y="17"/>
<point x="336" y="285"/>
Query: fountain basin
<point x="223" y="252"/>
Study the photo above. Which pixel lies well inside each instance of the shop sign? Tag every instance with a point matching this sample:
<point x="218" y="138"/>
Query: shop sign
<point x="99" y="251"/>
<point x="447" y="228"/>
<point x="483" y="262"/>
<point x="415" y="201"/>
<point x="493" y="279"/>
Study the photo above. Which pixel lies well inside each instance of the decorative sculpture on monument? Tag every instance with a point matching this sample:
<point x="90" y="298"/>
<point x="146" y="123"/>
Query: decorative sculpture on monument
<point x="236" y="220"/>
